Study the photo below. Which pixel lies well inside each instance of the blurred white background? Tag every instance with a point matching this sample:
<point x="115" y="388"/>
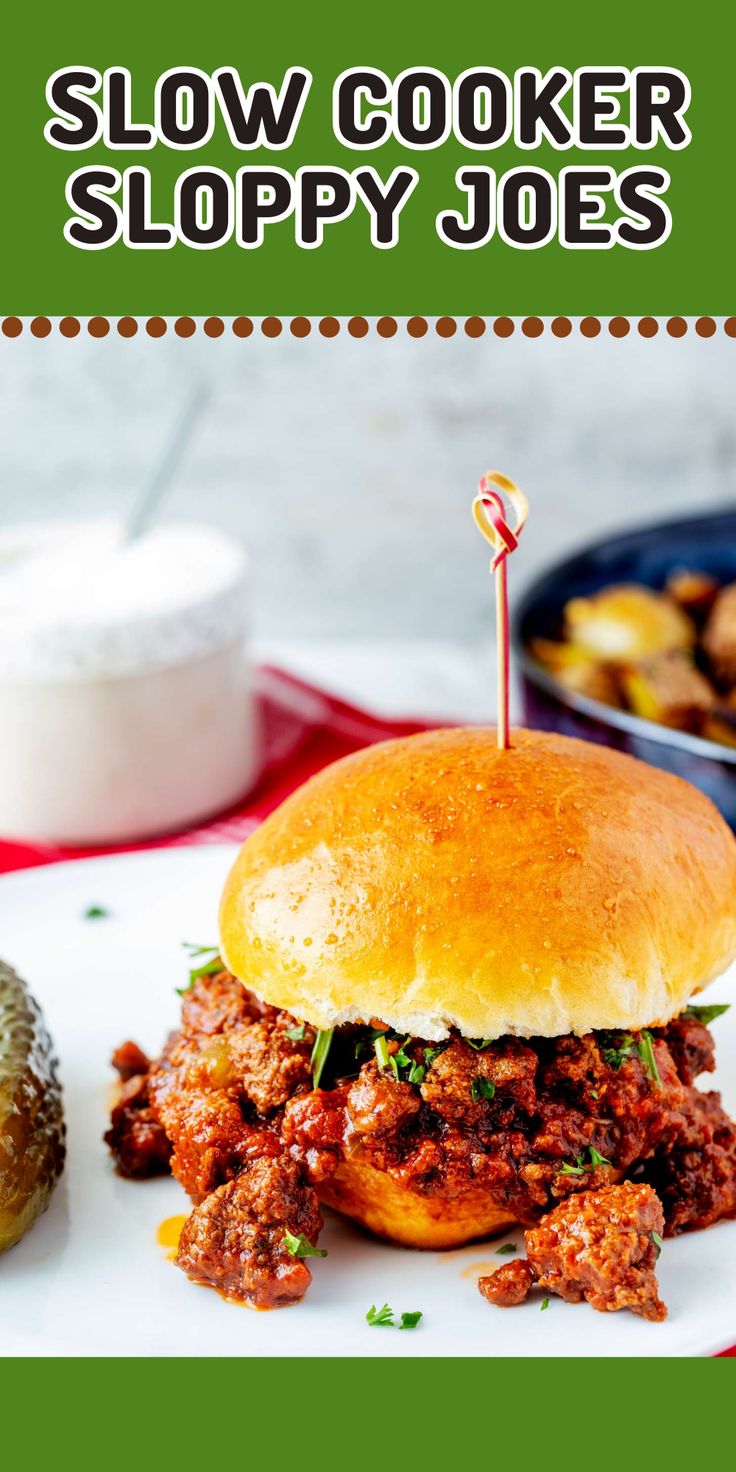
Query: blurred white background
<point x="347" y="469"/>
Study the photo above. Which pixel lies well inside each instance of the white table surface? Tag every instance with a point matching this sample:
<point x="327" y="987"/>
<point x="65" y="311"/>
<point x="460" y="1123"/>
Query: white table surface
<point x="420" y="679"/>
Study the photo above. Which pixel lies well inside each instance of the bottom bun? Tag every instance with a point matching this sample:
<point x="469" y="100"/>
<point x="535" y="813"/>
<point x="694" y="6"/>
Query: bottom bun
<point x="373" y="1198"/>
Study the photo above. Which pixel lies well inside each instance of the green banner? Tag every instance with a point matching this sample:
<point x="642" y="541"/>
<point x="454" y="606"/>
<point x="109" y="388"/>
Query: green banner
<point x="601" y="193"/>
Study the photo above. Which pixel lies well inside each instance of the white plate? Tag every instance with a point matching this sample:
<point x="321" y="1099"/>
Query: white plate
<point x="90" y="1279"/>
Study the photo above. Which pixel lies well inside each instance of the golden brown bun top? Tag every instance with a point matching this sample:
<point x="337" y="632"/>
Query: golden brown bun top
<point x="436" y="882"/>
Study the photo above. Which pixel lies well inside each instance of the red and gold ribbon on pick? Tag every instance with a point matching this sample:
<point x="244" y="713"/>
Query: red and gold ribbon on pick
<point x="489" y="514"/>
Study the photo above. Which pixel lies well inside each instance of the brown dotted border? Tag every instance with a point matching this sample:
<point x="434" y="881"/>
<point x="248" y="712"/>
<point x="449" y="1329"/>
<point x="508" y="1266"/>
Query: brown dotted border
<point x="386" y="327"/>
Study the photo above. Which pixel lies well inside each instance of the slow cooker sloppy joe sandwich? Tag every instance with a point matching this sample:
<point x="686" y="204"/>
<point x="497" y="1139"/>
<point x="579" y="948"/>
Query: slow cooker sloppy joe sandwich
<point x="454" y="995"/>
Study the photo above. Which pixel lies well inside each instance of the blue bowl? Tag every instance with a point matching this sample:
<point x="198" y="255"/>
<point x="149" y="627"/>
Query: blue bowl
<point x="646" y="555"/>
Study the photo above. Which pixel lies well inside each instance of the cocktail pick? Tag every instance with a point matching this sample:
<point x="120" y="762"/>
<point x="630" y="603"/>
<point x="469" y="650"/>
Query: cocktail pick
<point x="489" y="514"/>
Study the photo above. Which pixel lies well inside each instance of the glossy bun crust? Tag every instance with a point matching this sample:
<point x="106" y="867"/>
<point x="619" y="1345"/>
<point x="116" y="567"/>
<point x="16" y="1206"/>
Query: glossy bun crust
<point x="436" y="882"/>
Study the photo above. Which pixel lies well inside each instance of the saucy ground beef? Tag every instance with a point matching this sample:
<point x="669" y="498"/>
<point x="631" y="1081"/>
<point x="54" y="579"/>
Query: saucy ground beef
<point x="235" y="1240"/>
<point x="509" y="1285"/>
<point x="600" y="1246"/>
<point x="534" y="1122"/>
<point x="136" y="1137"/>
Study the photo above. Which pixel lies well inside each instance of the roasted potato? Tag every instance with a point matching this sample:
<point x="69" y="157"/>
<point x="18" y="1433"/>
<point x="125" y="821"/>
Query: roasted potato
<point x="695" y="592"/>
<point x="627" y="622"/>
<point x="668" y="657"/>
<point x="575" y="669"/>
<point x="669" y="689"/>
<point x="31" y="1116"/>
<point x="719" y="637"/>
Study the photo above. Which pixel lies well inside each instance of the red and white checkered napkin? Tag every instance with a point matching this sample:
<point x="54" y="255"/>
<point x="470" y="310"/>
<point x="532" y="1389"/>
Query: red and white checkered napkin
<point x="302" y="729"/>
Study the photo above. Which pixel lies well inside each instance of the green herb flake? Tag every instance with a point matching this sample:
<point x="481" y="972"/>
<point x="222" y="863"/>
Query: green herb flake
<point x="380" y="1049"/>
<point x="646" y="1053"/>
<point x="706" y="1014"/>
<point x="545" y="1304"/>
<point x="368" y="1039"/>
<point x="210" y="967"/>
<point x="377" y="1316"/>
<point x="506" y="1249"/>
<point x="385" y="1316"/>
<point x="658" y="1244"/>
<point x="594" y="1093"/>
<point x="296" y="1034"/>
<point x="595" y="1158"/>
<point x="410" y="1320"/>
<point x="96" y="912"/>
<point x="580" y="1166"/>
<point x="616" y="1056"/>
<point x="431" y="1053"/>
<point x="322" y="1045"/>
<point x="199" y="950"/>
<point x="301" y="1246"/>
<point x="479" y="1044"/>
<point x="482" y="1088"/>
<point x="578" y="1169"/>
<point x="401" y="1062"/>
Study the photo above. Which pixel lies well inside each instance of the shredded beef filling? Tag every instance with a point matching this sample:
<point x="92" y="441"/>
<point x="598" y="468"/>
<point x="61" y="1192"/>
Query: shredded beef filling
<point x="534" y="1122"/>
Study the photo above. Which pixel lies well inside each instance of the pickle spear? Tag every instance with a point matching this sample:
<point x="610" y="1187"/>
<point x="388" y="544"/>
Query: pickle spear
<point x="31" y="1117"/>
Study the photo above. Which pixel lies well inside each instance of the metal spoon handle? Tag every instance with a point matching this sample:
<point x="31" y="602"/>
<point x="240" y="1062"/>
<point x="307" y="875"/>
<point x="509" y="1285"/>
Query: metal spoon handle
<point x="148" y="503"/>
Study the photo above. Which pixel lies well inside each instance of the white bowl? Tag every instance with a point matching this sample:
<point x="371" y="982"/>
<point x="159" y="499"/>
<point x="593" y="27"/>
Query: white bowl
<point x="127" y="706"/>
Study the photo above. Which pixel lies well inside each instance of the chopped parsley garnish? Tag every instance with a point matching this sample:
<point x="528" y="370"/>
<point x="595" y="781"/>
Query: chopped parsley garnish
<point x="482" y="1088"/>
<point x="296" y="1034"/>
<point x="616" y="1056"/>
<point x="210" y="968"/>
<point x="594" y="1093"/>
<point x="506" y="1250"/>
<point x="627" y="1047"/>
<point x="380" y="1049"/>
<point x="658" y="1244"/>
<point x="545" y="1304"/>
<point x="479" y="1044"/>
<point x="706" y="1014"/>
<point x="322" y="1044"/>
<point x="410" y="1320"/>
<point x="205" y="968"/>
<point x="377" y="1316"/>
<point x="385" y="1315"/>
<point x="401" y="1059"/>
<point x="580" y="1167"/>
<point x="431" y="1053"/>
<point x="646" y="1053"/>
<point x="401" y="1063"/>
<point x="301" y="1246"/>
<point x="369" y="1040"/>
<point x="96" y="912"/>
<point x="595" y="1158"/>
